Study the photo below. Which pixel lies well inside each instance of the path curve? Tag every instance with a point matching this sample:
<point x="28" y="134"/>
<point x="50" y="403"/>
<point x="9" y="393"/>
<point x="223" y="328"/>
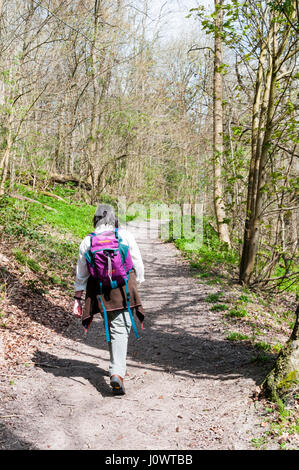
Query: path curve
<point x="187" y="388"/>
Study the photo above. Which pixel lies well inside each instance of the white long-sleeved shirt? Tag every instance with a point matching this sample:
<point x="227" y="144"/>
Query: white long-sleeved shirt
<point x="82" y="273"/>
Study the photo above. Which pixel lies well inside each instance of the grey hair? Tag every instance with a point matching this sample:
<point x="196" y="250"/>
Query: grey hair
<point x="105" y="215"/>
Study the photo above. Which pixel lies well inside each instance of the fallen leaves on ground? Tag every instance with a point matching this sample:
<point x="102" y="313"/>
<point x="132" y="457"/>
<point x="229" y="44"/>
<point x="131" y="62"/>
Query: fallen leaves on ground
<point x="29" y="317"/>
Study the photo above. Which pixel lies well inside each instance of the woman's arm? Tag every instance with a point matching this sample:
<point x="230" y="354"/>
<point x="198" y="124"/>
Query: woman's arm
<point x="82" y="273"/>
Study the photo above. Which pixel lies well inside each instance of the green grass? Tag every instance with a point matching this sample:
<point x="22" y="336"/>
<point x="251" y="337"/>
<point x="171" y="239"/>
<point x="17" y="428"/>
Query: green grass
<point x="210" y="254"/>
<point x="263" y="346"/>
<point x="73" y="218"/>
<point x="28" y="219"/>
<point x="281" y="425"/>
<point x="25" y="260"/>
<point x="291" y="284"/>
<point x="277" y="347"/>
<point x="47" y="240"/>
<point x="234" y="336"/>
<point x="213" y="298"/>
<point x="244" y="298"/>
<point x="237" y="313"/>
<point x="261" y="358"/>
<point x="214" y="254"/>
<point x="216" y="280"/>
<point x="259" y="442"/>
<point x="219" y="308"/>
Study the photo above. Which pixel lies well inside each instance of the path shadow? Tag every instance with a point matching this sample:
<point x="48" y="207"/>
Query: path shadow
<point x="73" y="369"/>
<point x="198" y="356"/>
<point x="10" y="441"/>
<point x="169" y="347"/>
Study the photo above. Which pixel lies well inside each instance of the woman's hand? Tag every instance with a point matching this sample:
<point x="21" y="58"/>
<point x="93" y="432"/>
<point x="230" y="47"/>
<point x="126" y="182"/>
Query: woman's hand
<point x="77" y="310"/>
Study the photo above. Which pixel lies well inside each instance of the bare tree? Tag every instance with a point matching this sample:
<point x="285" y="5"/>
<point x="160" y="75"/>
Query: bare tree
<point x="277" y="49"/>
<point x="218" y="128"/>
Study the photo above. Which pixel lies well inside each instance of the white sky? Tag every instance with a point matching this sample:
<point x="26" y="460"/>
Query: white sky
<point x="174" y="14"/>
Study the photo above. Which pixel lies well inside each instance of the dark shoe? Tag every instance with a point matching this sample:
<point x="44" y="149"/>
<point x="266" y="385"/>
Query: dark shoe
<point x="117" y="385"/>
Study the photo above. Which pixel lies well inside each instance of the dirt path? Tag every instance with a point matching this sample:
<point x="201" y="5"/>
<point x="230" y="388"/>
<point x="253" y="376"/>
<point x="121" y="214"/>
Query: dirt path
<point x="188" y="387"/>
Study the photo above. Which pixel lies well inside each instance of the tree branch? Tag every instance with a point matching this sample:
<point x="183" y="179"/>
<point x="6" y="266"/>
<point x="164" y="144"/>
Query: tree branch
<point x="193" y="48"/>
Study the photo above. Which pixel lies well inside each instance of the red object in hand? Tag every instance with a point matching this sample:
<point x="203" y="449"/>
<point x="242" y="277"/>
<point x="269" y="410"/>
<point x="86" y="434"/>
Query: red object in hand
<point x="77" y="310"/>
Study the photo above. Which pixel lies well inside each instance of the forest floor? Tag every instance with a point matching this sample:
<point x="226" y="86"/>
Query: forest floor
<point x="188" y="386"/>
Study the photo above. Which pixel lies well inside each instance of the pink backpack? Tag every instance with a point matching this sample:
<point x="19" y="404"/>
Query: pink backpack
<point x="109" y="261"/>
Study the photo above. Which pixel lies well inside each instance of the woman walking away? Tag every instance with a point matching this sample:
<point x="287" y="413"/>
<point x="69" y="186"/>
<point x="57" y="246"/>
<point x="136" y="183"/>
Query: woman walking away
<point x="108" y="269"/>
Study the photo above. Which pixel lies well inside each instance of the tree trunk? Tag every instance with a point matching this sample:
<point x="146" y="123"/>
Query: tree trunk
<point x="262" y="130"/>
<point x="282" y="383"/>
<point x="218" y="130"/>
<point x="93" y="144"/>
<point x="59" y="178"/>
<point x="6" y="158"/>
